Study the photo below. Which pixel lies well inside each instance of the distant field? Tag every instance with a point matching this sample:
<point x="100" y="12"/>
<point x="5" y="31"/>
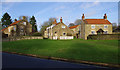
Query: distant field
<point x="89" y="50"/>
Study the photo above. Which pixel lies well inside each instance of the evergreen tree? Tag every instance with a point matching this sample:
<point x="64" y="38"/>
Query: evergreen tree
<point x="6" y="20"/>
<point x="33" y="22"/>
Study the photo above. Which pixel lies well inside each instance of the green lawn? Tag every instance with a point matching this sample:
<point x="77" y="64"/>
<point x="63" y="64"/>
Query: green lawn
<point x="89" y="50"/>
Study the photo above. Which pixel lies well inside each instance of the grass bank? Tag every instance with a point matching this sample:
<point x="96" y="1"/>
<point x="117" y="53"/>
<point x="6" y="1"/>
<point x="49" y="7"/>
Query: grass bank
<point x="105" y="51"/>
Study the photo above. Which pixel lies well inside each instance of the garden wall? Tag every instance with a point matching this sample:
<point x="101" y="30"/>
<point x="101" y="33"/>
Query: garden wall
<point x="104" y="37"/>
<point x="22" y="38"/>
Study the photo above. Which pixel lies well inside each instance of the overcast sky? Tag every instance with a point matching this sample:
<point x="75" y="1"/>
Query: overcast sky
<point x="70" y="11"/>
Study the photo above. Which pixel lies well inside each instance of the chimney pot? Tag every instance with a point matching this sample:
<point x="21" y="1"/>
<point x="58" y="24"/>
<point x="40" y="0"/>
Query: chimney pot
<point x="61" y="19"/>
<point x="83" y="17"/>
<point x="105" y="16"/>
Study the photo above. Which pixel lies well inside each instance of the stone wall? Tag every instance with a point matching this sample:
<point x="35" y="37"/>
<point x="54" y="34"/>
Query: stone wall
<point x="22" y="38"/>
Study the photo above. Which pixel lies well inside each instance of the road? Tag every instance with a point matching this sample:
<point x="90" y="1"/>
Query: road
<point x="19" y="61"/>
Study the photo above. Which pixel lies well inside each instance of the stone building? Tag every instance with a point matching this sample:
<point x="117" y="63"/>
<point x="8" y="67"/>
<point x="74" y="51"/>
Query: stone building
<point x="18" y="28"/>
<point x="95" y="26"/>
<point x="58" y="31"/>
<point x="76" y="30"/>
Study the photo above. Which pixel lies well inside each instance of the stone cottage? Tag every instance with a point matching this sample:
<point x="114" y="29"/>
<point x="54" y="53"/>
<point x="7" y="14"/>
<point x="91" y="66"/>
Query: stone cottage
<point x="18" y="28"/>
<point x="76" y="30"/>
<point x="95" y="26"/>
<point x="58" y="31"/>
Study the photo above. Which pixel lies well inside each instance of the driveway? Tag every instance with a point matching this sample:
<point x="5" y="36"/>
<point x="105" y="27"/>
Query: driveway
<point x="19" y="61"/>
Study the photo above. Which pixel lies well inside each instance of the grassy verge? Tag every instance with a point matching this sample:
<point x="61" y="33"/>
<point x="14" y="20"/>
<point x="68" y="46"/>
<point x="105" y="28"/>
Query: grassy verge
<point x="105" y="51"/>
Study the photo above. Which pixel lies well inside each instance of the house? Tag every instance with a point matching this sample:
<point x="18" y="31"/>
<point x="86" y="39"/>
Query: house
<point x="95" y="26"/>
<point x="58" y="31"/>
<point x="18" y="28"/>
<point x="76" y="30"/>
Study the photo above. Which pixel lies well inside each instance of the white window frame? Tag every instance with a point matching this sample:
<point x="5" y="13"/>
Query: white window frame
<point x="92" y="31"/>
<point x="63" y="26"/>
<point x="92" y="26"/>
<point x="24" y="23"/>
<point x="105" y="27"/>
<point x="9" y="29"/>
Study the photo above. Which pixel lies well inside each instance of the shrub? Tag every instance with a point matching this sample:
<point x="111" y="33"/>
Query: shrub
<point x="104" y="37"/>
<point x="4" y="35"/>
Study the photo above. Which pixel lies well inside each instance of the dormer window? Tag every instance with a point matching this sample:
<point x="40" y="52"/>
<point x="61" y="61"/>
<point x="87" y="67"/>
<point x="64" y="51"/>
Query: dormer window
<point x="63" y="26"/>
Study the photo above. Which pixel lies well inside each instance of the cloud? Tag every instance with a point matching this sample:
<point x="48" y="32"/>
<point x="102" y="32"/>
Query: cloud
<point x="59" y="8"/>
<point x="89" y="4"/>
<point x="90" y="13"/>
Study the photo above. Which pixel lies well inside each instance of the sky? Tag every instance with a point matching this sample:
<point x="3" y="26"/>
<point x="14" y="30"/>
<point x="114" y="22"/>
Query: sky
<point x="69" y="11"/>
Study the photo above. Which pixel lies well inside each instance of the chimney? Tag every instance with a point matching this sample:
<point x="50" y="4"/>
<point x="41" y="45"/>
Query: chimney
<point x="24" y="17"/>
<point x="55" y="22"/>
<point x="61" y="19"/>
<point x="83" y="17"/>
<point x="105" y="16"/>
<point x="15" y="20"/>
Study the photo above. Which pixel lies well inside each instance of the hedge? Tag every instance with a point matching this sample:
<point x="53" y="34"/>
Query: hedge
<point x="104" y="37"/>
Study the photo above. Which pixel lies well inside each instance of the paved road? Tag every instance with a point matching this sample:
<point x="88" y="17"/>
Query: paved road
<point x="19" y="61"/>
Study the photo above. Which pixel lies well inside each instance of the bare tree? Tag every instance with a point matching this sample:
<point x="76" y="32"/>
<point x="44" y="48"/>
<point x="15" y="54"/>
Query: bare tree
<point x="78" y="22"/>
<point x="46" y="24"/>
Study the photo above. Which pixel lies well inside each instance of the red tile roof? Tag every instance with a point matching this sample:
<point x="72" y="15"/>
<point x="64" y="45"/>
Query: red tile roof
<point x="97" y="21"/>
<point x="15" y="22"/>
<point x="73" y="26"/>
<point x="11" y="24"/>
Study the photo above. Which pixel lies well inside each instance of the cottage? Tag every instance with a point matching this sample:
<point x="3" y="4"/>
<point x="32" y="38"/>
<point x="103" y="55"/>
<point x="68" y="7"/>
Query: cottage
<point x="76" y="30"/>
<point x="18" y="28"/>
<point x="95" y="26"/>
<point x="58" y="31"/>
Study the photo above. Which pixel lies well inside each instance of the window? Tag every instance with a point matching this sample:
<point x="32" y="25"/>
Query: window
<point x="55" y="32"/>
<point x="105" y="26"/>
<point x="63" y="26"/>
<point x="105" y="32"/>
<point x="64" y="33"/>
<point x="92" y="26"/>
<point x="14" y="28"/>
<point x="9" y="29"/>
<point x="24" y="23"/>
<point x="92" y="32"/>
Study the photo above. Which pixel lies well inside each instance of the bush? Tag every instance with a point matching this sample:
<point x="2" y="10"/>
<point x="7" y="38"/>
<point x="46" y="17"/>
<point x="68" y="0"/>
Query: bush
<point x="4" y="35"/>
<point x="69" y="34"/>
<point x="104" y="37"/>
<point x="36" y="34"/>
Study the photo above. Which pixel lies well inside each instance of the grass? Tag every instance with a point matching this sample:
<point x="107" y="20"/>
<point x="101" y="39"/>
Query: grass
<point x="105" y="51"/>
